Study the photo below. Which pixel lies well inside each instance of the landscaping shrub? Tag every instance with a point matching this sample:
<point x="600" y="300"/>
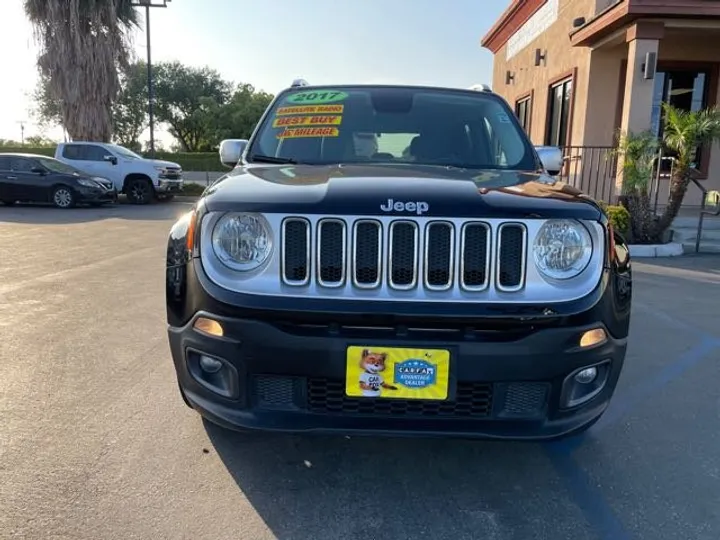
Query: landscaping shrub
<point x="619" y="217"/>
<point x="190" y="188"/>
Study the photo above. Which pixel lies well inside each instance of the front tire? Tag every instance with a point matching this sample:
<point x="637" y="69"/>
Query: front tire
<point x="63" y="197"/>
<point x="139" y="191"/>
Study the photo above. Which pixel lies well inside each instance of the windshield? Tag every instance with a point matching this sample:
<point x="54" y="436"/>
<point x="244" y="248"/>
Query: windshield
<point x="392" y="125"/>
<point x="124" y="152"/>
<point x="58" y="166"/>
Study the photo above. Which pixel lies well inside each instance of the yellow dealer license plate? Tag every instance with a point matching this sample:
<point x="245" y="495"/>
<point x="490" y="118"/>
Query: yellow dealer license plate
<point x="389" y="372"/>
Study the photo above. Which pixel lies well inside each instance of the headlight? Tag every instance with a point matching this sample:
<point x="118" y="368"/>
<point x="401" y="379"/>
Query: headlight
<point x="242" y="241"/>
<point x="88" y="183"/>
<point x="562" y="249"/>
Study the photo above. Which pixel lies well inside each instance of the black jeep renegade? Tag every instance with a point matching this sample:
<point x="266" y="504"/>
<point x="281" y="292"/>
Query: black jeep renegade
<point x="396" y="260"/>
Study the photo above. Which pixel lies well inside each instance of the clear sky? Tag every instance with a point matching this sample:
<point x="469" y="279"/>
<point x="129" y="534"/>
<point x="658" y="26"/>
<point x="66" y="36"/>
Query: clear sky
<point x="267" y="43"/>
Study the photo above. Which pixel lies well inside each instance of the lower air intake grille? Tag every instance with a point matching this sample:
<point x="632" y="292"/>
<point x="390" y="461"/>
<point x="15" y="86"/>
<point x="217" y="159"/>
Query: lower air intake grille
<point x="272" y="392"/>
<point x="473" y="400"/>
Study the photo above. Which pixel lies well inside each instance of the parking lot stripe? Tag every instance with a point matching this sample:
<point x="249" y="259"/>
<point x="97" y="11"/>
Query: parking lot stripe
<point x="589" y="498"/>
<point x="622" y="403"/>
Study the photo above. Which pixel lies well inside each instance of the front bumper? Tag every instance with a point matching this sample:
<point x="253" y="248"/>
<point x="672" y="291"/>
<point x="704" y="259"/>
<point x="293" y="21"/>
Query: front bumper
<point x="291" y="377"/>
<point x="96" y="195"/>
<point x="169" y="186"/>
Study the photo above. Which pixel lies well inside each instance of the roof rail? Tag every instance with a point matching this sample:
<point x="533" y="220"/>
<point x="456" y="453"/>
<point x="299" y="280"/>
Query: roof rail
<point x="299" y="82"/>
<point x="482" y="87"/>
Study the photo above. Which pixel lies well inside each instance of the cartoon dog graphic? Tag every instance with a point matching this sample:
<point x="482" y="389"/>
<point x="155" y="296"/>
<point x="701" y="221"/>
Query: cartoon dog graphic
<point x="372" y="364"/>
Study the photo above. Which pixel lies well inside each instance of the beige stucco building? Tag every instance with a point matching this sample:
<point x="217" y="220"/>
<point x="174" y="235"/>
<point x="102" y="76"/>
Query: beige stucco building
<point x="577" y="71"/>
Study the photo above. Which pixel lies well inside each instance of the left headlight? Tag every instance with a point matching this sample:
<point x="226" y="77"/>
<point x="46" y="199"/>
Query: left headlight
<point x="562" y="249"/>
<point x="242" y="241"/>
<point x="88" y="183"/>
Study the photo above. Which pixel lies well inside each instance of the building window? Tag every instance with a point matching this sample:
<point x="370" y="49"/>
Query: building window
<point x="522" y="111"/>
<point x="685" y="89"/>
<point x="558" y="122"/>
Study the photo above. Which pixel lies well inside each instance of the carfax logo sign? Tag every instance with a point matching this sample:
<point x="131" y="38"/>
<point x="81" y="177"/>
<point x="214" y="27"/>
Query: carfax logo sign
<point x="415" y="373"/>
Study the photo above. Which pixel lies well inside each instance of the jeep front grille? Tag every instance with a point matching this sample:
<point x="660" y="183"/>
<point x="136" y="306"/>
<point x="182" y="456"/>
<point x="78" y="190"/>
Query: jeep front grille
<point x="403" y="254"/>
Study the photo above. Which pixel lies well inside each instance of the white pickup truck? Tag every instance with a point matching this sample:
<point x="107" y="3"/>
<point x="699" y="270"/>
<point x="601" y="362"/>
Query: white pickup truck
<point x="139" y="178"/>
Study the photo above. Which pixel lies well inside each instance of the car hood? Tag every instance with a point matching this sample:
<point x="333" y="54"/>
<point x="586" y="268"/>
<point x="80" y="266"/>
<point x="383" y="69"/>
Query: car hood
<point x="162" y="163"/>
<point x="378" y="189"/>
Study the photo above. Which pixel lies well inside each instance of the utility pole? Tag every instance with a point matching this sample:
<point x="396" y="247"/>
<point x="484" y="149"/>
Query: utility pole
<point x="22" y="132"/>
<point x="147" y="4"/>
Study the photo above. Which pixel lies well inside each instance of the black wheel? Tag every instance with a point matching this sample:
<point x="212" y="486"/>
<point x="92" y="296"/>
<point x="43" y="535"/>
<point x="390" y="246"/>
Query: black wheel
<point x="63" y="197"/>
<point x="8" y="203"/>
<point x="139" y="191"/>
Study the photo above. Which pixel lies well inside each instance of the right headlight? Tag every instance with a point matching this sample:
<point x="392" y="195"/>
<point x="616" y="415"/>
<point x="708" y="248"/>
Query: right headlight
<point x="242" y="241"/>
<point x="562" y="248"/>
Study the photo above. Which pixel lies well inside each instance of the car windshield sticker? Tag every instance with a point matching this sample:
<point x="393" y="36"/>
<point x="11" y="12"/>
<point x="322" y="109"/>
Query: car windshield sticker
<point x="311" y="109"/>
<point x="503" y="118"/>
<point x="331" y="120"/>
<point x="317" y="96"/>
<point x="308" y="132"/>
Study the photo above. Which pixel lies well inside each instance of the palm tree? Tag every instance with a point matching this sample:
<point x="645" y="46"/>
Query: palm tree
<point x="685" y="132"/>
<point x="638" y="151"/>
<point x="82" y="45"/>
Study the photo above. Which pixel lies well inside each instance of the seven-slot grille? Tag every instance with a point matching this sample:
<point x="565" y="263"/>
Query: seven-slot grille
<point x="402" y="254"/>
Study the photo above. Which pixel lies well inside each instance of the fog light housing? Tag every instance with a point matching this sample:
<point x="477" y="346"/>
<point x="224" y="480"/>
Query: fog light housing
<point x="214" y="373"/>
<point x="586" y="376"/>
<point x="209" y="364"/>
<point x="583" y="384"/>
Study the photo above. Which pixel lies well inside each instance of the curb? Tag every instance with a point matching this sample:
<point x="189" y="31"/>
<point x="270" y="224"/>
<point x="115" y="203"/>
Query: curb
<point x="673" y="249"/>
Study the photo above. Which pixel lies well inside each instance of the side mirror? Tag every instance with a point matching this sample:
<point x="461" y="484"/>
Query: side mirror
<point x="231" y="150"/>
<point x="38" y="170"/>
<point x="111" y="159"/>
<point x="551" y="158"/>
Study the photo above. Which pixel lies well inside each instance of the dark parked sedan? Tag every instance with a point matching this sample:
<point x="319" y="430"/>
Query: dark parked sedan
<point x="34" y="178"/>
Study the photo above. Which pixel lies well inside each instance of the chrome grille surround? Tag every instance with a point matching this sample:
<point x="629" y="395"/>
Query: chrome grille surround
<point x="427" y="256"/>
<point x="393" y="242"/>
<point x="320" y="243"/>
<point x="357" y="284"/>
<point x="464" y="250"/>
<point x="356" y="255"/>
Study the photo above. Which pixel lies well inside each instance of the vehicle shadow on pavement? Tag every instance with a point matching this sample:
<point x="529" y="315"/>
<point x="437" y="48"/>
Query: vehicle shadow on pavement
<point x="47" y="214"/>
<point x="325" y="487"/>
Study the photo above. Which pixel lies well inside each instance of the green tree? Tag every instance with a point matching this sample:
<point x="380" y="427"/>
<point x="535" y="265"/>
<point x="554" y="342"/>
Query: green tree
<point x="130" y="112"/>
<point x="685" y="132"/>
<point x="187" y="99"/>
<point x="638" y="151"/>
<point x="82" y="43"/>
<point x="239" y="117"/>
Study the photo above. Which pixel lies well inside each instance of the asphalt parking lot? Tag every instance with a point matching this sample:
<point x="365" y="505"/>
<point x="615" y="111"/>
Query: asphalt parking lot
<point x="95" y="442"/>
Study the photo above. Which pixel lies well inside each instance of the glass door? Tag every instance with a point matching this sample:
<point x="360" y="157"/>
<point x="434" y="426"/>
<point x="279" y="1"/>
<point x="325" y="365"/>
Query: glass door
<point x="684" y="89"/>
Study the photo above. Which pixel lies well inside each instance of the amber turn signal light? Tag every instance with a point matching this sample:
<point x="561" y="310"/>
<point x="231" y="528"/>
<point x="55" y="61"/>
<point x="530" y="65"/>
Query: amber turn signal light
<point x="208" y="326"/>
<point x="593" y="337"/>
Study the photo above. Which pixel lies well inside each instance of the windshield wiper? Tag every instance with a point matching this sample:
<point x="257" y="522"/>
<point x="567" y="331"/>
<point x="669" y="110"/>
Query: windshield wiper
<point x="271" y="159"/>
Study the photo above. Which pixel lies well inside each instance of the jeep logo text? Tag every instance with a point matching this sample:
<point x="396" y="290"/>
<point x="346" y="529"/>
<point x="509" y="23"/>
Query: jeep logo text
<point x="418" y="207"/>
